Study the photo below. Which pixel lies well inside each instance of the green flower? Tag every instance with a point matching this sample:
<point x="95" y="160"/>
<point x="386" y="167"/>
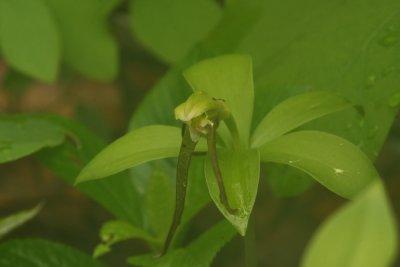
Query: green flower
<point x="200" y="112"/>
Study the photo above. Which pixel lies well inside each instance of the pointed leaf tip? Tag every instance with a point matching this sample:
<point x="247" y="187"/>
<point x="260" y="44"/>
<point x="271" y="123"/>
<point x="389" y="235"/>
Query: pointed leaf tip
<point x="240" y="173"/>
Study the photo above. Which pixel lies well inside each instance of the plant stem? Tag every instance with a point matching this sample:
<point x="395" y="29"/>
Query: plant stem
<point x="250" y="245"/>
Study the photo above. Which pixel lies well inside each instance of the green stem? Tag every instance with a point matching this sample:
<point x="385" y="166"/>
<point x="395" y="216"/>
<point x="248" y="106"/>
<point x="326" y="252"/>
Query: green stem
<point x="250" y="246"/>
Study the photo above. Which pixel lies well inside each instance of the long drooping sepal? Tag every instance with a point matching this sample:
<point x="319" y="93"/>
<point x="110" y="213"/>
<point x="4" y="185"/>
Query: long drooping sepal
<point x="212" y="153"/>
<point x="185" y="155"/>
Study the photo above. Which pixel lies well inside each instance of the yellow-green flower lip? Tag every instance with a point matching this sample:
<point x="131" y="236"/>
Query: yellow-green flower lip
<point x="199" y="112"/>
<point x="197" y="104"/>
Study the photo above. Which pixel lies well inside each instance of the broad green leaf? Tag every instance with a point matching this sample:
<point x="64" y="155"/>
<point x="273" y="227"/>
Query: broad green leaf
<point x="171" y="28"/>
<point x="9" y="223"/>
<point x="21" y="136"/>
<point x="113" y="232"/>
<point x="332" y="161"/>
<point x="39" y="253"/>
<point x="285" y="181"/>
<point x="159" y="202"/>
<point x="136" y="147"/>
<point x="199" y="253"/>
<point x="230" y="78"/>
<point x="29" y="38"/>
<point x="333" y="46"/>
<point x="294" y="112"/>
<point x="88" y="45"/>
<point x="361" y="234"/>
<point x="240" y="173"/>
